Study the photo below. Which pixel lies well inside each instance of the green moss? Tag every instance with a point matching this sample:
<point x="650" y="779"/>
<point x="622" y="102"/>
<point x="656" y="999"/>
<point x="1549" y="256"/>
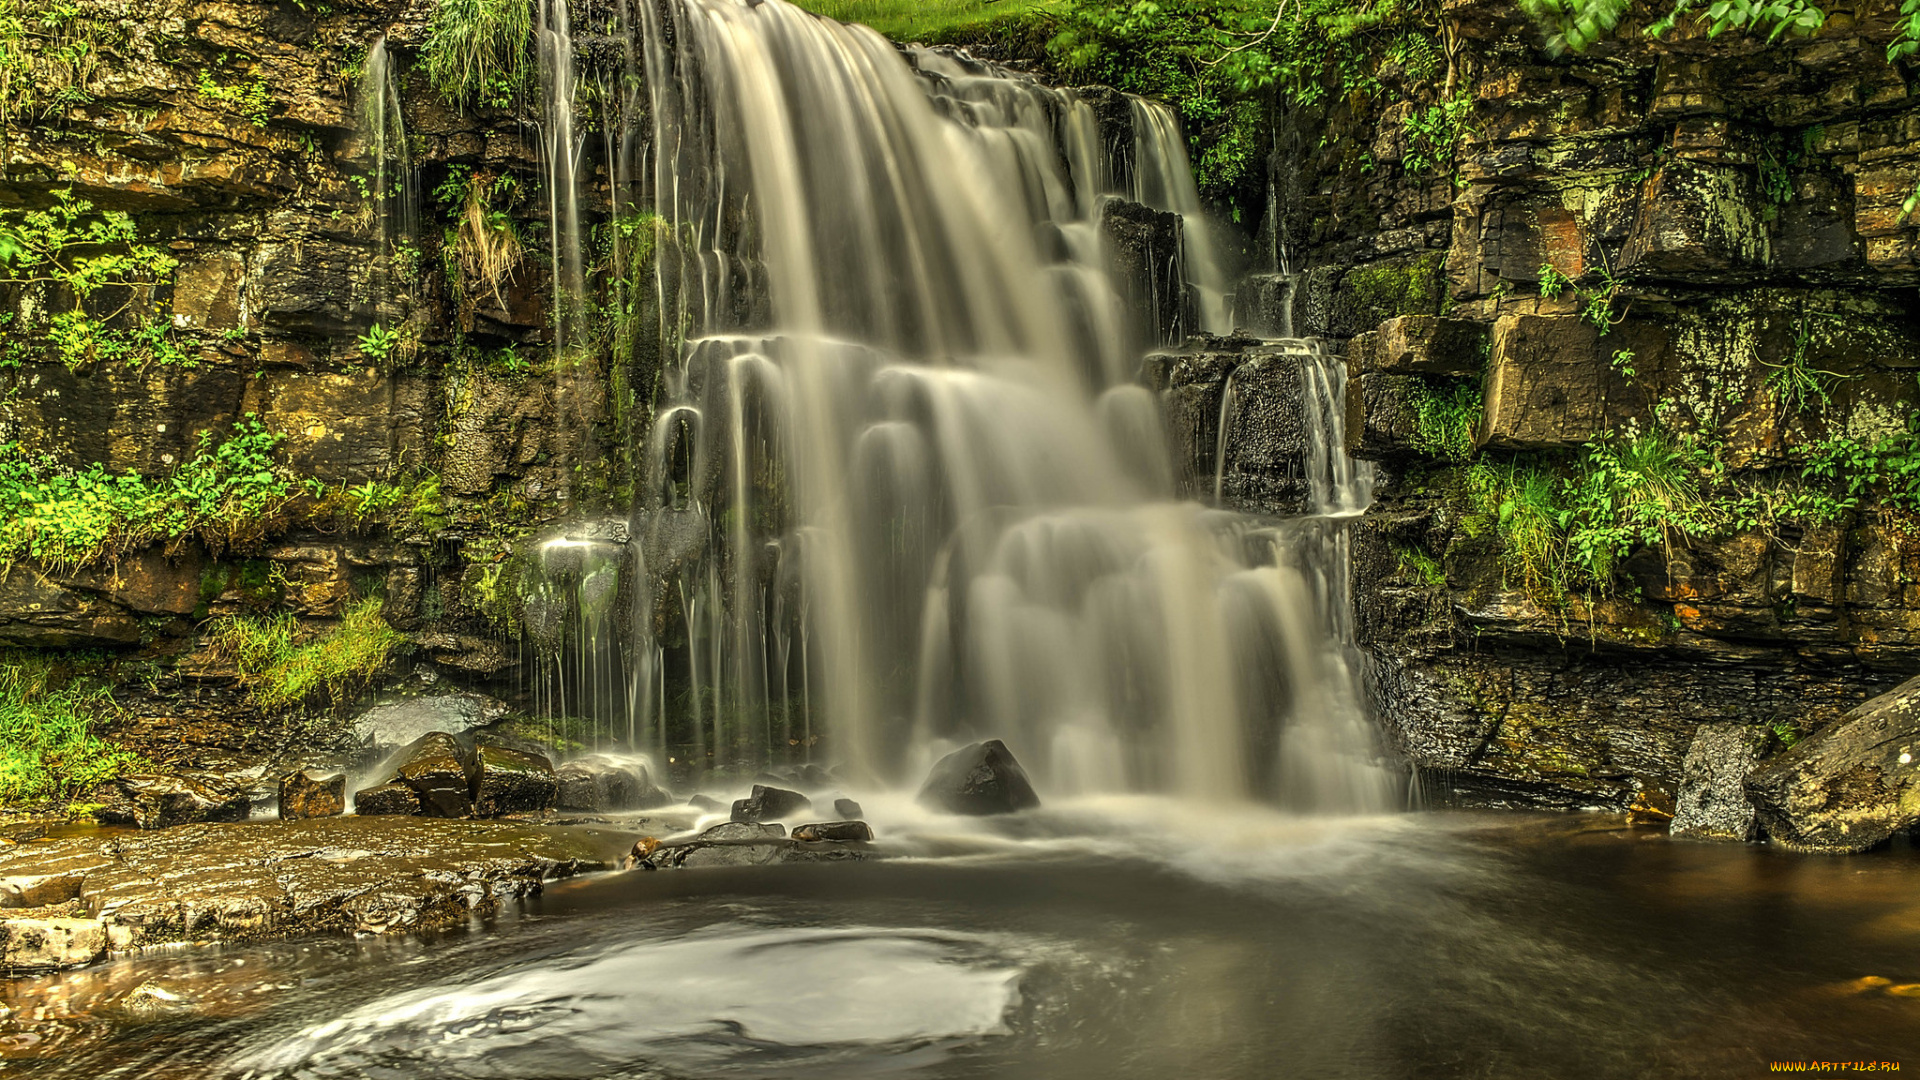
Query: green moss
<point x="51" y="705"/>
<point x="282" y="665"/>
<point x="1420" y="566"/>
<point x="1370" y="295"/>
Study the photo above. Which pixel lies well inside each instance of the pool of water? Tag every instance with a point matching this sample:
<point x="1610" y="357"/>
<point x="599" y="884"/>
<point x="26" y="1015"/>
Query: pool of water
<point x="1109" y="940"/>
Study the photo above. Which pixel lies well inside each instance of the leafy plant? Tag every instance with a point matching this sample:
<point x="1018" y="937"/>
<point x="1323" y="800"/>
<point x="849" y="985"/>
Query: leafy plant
<point x="379" y="343"/>
<point x="251" y="98"/>
<point x="225" y="495"/>
<point x="1446" y="420"/>
<point x="84" y="253"/>
<point x="1552" y="281"/>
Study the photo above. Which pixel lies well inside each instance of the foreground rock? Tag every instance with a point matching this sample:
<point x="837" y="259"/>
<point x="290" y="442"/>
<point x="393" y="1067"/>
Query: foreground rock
<point x="161" y="802"/>
<point x="834" y="830"/>
<point x="745" y="843"/>
<point x="1850" y="786"/>
<point x="599" y="783"/>
<point x="980" y="779"/>
<point x="311" y="793"/>
<point x="511" y="782"/>
<point x="214" y="882"/>
<point x="441" y="771"/>
<point x="29" y="945"/>
<point x="1713" y="794"/>
<point x="770" y="804"/>
<point x="386" y="800"/>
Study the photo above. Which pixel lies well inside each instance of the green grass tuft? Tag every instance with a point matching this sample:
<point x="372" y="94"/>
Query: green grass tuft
<point x="282" y="668"/>
<point x="480" y="50"/>
<point x="49" y="748"/>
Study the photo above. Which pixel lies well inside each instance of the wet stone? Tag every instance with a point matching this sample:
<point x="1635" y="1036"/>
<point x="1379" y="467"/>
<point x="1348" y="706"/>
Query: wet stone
<point x="834" y="830"/>
<point x="1850" y="786"/>
<point x="770" y="803"/>
<point x="980" y="779"/>
<point x="46" y="944"/>
<point x="847" y="809"/>
<point x="386" y="799"/>
<point x="707" y="803"/>
<point x="39" y="890"/>
<point x="311" y="793"/>
<point x="599" y="783"/>
<point x="512" y="782"/>
<point x="440" y="771"/>
<point x="739" y="832"/>
<point x="159" y="802"/>
<point x="1713" y="797"/>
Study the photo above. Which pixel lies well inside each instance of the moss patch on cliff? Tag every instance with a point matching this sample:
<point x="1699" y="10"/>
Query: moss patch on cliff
<point x="50" y="711"/>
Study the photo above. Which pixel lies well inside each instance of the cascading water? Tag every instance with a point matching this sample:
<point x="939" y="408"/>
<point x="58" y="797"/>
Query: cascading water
<point x="396" y="187"/>
<point x="903" y="489"/>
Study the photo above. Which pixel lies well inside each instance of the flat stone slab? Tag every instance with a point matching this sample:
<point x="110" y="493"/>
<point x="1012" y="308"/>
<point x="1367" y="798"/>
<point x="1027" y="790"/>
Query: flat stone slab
<point x="249" y="881"/>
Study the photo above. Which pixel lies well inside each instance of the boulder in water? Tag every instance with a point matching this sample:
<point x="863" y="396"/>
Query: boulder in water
<point x="599" y="784"/>
<point x="441" y="771"/>
<point x="834" y="830"/>
<point x="770" y="804"/>
<point x="512" y="782"/>
<point x="847" y="809"/>
<point x="1850" y="786"/>
<point x="1713" y="801"/>
<point x="742" y="832"/>
<point x="706" y="804"/>
<point x="386" y="800"/>
<point x="980" y="779"/>
<point x="311" y="793"/>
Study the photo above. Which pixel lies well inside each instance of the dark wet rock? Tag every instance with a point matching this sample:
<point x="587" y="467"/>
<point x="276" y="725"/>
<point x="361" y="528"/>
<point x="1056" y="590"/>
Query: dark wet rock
<point x="311" y="793"/>
<point x="386" y="800"/>
<point x="442" y="772"/>
<point x="39" y="890"/>
<point x="743" y="843"/>
<point x="598" y="784"/>
<point x="770" y="803"/>
<point x="393" y="724"/>
<point x="847" y="809"/>
<point x="982" y="778"/>
<point x="1652" y="806"/>
<point x="731" y="832"/>
<point x="1425" y="345"/>
<point x="159" y="802"/>
<point x="50" y="944"/>
<point x="1143" y="246"/>
<point x="227" y="882"/>
<point x="812" y="777"/>
<point x="511" y="782"/>
<point x="1713" y="802"/>
<point x="1849" y="786"/>
<point x="707" y="803"/>
<point x="834" y="830"/>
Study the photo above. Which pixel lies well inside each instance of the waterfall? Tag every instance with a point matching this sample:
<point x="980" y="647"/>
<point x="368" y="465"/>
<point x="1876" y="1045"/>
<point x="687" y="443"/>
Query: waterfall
<point x="396" y="188"/>
<point x="903" y="489"/>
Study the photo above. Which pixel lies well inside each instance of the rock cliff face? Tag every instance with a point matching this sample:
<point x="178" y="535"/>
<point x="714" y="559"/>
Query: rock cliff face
<point x="1702" y="238"/>
<point x="232" y="134"/>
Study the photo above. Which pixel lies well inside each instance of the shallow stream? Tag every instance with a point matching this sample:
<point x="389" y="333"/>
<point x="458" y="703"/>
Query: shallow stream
<point x="1109" y="939"/>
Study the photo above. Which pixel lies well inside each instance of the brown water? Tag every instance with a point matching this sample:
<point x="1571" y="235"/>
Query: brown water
<point x="1107" y="940"/>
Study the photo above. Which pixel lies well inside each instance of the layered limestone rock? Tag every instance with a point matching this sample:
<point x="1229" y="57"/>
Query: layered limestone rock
<point x="1710" y="233"/>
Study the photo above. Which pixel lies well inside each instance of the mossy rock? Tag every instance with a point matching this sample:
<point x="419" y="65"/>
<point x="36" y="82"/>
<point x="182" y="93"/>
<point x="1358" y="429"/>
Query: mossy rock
<point x="1367" y="296"/>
